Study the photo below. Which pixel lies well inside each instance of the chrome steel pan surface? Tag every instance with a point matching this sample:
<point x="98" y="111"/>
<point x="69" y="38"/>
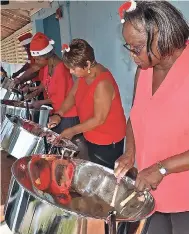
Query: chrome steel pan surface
<point x="21" y="109"/>
<point x="91" y="190"/>
<point x="10" y="95"/>
<point x="7" y="93"/>
<point x="21" y="137"/>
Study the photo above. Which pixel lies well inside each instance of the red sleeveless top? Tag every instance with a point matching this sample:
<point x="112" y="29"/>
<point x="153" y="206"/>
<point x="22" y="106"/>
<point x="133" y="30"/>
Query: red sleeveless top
<point x="114" y="128"/>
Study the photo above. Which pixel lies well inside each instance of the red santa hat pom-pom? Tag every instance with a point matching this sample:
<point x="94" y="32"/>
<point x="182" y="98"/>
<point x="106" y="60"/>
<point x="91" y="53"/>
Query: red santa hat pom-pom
<point x="65" y="47"/>
<point x="128" y="7"/>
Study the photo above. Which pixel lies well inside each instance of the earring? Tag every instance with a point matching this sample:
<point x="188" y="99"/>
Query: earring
<point x="89" y="71"/>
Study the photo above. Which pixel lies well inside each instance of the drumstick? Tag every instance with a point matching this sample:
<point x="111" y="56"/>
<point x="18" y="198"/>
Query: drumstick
<point x="124" y="202"/>
<point x="115" y="192"/>
<point x="114" y="195"/>
<point x="63" y="150"/>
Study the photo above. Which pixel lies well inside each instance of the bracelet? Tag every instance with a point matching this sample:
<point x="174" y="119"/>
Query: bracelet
<point x="57" y="115"/>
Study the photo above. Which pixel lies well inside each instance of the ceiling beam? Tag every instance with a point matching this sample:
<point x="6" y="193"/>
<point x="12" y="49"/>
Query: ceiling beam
<point x="20" y="14"/>
<point x="7" y="28"/>
<point x="13" y="24"/>
<point x="16" y="32"/>
<point x="27" y="4"/>
<point x="14" y="15"/>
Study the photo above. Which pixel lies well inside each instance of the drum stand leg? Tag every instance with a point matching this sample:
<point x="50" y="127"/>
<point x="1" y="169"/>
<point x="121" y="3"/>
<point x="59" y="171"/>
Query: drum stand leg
<point x="82" y="226"/>
<point x="111" y="220"/>
<point x="145" y="224"/>
<point x="79" y="226"/>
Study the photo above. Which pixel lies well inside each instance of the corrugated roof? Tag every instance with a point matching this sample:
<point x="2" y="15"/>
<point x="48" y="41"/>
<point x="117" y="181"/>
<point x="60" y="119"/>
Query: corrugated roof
<point x="12" y="20"/>
<point x="16" y="14"/>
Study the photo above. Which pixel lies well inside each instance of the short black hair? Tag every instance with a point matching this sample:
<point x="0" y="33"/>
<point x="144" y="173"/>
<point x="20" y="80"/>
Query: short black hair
<point x="80" y="52"/>
<point x="173" y="30"/>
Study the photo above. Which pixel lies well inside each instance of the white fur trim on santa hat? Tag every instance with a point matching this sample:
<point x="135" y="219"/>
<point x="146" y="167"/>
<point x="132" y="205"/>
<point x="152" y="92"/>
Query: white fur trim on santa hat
<point x="133" y="6"/>
<point x="26" y="42"/>
<point x="67" y="50"/>
<point x="51" y="42"/>
<point x="42" y="52"/>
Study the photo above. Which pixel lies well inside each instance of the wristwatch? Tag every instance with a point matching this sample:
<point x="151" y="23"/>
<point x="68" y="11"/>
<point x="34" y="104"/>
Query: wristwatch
<point x="162" y="169"/>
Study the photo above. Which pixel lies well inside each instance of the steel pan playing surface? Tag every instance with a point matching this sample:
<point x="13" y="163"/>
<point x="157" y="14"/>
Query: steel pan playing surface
<point x="92" y="191"/>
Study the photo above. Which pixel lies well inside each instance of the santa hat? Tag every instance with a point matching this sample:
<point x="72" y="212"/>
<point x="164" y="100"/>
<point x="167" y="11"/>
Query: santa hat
<point x="25" y="39"/>
<point x="40" y="44"/>
<point x="128" y="7"/>
<point x="65" y="47"/>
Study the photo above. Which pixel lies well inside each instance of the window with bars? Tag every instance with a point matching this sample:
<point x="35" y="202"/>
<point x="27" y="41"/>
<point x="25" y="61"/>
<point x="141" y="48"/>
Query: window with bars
<point x="11" y="49"/>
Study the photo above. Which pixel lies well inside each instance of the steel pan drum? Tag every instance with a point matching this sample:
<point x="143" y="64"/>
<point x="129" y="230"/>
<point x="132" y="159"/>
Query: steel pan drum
<point x="20" y="109"/>
<point x="6" y="93"/>
<point x="6" y="83"/>
<point x="10" y="95"/>
<point x="30" y="210"/>
<point x="21" y="137"/>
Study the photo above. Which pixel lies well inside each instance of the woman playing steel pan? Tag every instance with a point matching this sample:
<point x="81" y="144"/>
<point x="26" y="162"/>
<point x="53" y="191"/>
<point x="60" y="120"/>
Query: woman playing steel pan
<point x="97" y="99"/>
<point x="29" y="80"/>
<point x="158" y="130"/>
<point x="56" y="80"/>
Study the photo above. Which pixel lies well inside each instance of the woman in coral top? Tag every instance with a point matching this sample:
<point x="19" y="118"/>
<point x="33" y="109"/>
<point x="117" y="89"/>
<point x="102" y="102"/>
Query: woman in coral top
<point x="97" y="99"/>
<point x="56" y="80"/>
<point x="158" y="130"/>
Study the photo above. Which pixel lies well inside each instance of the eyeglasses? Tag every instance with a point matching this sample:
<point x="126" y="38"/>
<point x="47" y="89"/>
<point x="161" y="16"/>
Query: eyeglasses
<point x="136" y="49"/>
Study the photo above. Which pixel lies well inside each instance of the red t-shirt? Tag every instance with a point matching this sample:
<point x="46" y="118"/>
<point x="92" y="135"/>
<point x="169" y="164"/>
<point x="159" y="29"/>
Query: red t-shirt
<point x="58" y="87"/>
<point x="40" y="77"/>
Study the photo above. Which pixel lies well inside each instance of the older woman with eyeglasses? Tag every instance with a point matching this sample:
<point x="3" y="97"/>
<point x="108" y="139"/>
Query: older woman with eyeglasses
<point x="135" y="49"/>
<point x="157" y="136"/>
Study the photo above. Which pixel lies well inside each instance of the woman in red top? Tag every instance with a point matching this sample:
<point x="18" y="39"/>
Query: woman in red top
<point x="31" y="72"/>
<point x="25" y="42"/>
<point x="97" y="99"/>
<point x="158" y="130"/>
<point x="57" y="80"/>
<point x="33" y="77"/>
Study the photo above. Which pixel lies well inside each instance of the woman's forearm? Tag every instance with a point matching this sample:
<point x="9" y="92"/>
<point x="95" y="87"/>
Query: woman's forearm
<point x="22" y="69"/>
<point x="67" y="104"/>
<point x="26" y="77"/>
<point x="86" y="126"/>
<point x="177" y="163"/>
<point x="29" y="74"/>
<point x="46" y="101"/>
